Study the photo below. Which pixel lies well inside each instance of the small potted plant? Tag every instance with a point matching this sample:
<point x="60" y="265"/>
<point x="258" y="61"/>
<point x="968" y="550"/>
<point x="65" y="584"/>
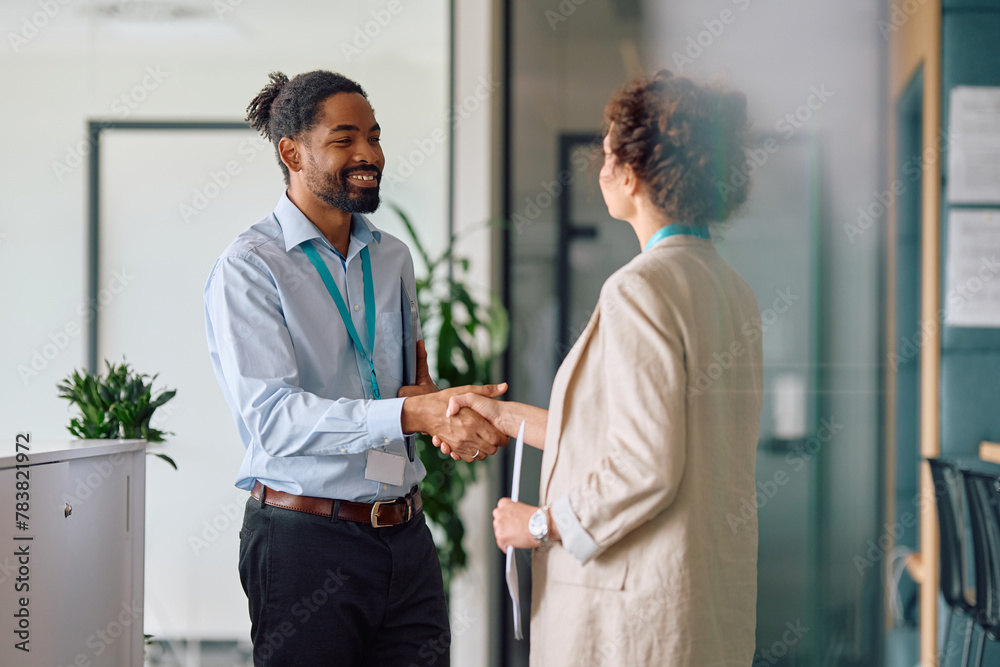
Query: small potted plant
<point x="118" y="405"/>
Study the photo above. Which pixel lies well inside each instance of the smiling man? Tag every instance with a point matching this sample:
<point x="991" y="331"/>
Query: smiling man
<point x="304" y="322"/>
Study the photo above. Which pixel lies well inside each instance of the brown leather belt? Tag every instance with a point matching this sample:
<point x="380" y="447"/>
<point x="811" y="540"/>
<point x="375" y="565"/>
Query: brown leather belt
<point x="378" y="514"/>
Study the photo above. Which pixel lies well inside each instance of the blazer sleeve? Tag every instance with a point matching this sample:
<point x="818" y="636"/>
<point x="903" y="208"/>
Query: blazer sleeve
<point x="643" y="366"/>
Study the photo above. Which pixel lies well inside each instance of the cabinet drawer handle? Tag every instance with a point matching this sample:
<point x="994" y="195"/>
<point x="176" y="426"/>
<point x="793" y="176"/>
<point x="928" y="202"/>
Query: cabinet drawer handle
<point x="68" y="510"/>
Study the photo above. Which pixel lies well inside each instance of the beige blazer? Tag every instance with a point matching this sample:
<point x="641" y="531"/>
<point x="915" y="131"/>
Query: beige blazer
<point x="652" y="433"/>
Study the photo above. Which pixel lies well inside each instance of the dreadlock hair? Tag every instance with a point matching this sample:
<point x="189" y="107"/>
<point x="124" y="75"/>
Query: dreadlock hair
<point x="287" y="108"/>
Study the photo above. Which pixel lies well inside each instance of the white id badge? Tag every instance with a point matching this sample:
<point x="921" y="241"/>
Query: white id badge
<point x="385" y="467"/>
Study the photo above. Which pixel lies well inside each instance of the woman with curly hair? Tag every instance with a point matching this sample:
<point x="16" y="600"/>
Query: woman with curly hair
<point x="645" y="547"/>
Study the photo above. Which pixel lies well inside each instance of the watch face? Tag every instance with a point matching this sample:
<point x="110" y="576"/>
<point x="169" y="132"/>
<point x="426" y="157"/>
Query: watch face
<point x="537" y="525"/>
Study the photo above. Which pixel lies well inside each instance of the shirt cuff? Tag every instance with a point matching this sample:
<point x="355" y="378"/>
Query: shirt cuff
<point x="575" y="538"/>
<point x="385" y="425"/>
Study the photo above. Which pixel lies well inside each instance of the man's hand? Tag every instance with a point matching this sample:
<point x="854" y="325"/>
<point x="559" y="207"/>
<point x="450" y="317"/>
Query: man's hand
<point x="497" y="413"/>
<point x="424" y="384"/>
<point x="504" y="416"/>
<point x="471" y="437"/>
<point x="492" y="411"/>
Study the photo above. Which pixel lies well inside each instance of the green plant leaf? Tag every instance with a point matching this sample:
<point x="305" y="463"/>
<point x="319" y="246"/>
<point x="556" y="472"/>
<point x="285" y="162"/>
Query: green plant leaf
<point x="162" y="398"/>
<point x="165" y="458"/>
<point x="454" y="325"/>
<point x="412" y="232"/>
<point x="118" y="405"/>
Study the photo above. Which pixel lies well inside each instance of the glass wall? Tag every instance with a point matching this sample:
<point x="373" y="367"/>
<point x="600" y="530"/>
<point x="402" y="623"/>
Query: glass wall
<point x="813" y="84"/>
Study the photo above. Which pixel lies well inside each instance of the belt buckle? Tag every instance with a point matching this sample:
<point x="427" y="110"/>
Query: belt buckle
<point x="375" y="508"/>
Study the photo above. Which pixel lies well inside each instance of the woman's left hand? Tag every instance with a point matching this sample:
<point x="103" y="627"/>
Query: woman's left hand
<point x="510" y="525"/>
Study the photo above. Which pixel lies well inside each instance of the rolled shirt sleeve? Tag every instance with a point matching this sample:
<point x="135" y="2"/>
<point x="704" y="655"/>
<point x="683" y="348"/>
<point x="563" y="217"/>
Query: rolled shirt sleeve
<point x="574" y="537"/>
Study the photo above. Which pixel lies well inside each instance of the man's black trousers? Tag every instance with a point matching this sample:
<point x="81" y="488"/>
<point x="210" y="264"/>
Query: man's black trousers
<point x="324" y="591"/>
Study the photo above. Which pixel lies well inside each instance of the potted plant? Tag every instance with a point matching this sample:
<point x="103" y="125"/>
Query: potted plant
<point x="118" y="405"/>
<point x="464" y="338"/>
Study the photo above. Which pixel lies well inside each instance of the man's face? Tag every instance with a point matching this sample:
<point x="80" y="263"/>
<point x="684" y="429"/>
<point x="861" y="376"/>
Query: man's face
<point x="343" y="159"/>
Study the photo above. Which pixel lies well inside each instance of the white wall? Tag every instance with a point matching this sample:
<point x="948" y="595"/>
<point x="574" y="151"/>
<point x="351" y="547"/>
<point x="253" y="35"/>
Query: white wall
<point x="570" y="57"/>
<point x="77" y="66"/>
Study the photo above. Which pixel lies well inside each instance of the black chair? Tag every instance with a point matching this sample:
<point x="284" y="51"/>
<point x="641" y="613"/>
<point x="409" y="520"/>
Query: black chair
<point x="983" y="493"/>
<point x="951" y="528"/>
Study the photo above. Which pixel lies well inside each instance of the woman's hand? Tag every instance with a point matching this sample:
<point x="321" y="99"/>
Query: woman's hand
<point x="510" y="525"/>
<point x="489" y="409"/>
<point x="496" y="413"/>
<point x="505" y="417"/>
<point x="468" y="434"/>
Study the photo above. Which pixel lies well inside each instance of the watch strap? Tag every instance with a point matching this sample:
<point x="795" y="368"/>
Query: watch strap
<point x="543" y="538"/>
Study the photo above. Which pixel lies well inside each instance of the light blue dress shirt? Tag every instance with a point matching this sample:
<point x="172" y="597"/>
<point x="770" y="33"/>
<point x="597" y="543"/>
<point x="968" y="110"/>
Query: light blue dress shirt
<point x="298" y="389"/>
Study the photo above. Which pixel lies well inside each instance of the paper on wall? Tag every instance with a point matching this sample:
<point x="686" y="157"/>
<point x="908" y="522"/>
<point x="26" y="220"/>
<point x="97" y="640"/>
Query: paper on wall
<point x="972" y="272"/>
<point x="974" y="145"/>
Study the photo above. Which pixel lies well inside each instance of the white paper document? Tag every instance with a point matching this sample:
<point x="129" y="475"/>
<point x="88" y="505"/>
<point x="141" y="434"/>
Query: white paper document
<point x="515" y="490"/>
<point x="972" y="283"/>
<point x="974" y="145"/>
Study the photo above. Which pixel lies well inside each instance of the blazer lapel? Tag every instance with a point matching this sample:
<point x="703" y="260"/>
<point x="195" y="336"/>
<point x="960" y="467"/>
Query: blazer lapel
<point x="560" y="387"/>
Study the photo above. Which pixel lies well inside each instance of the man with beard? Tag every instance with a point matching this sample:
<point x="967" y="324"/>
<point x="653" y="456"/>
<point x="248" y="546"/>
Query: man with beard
<point x="304" y="320"/>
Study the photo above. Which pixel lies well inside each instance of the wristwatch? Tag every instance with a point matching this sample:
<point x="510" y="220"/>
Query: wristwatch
<point x="538" y="524"/>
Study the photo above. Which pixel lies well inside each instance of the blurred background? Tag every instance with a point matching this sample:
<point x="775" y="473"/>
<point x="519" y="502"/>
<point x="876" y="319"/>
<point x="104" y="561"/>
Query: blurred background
<point x="128" y="169"/>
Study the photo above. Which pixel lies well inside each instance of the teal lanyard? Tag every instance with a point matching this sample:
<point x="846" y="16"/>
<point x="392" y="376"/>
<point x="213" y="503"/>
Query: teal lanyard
<point x="677" y="228"/>
<point x="345" y="314"/>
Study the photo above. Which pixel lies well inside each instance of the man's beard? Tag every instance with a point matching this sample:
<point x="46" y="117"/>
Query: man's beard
<point x="342" y="194"/>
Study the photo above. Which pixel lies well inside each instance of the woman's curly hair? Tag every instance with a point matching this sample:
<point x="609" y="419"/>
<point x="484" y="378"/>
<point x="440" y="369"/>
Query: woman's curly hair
<point x="685" y="142"/>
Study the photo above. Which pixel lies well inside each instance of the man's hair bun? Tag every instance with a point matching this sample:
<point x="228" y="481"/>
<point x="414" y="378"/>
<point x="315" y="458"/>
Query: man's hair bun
<point x="288" y="107"/>
<point x="259" y="109"/>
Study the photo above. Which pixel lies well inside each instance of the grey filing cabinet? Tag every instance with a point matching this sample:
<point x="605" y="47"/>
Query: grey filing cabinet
<point x="82" y="575"/>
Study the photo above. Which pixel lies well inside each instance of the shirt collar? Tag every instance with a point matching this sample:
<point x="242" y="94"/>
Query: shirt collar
<point x="297" y="228"/>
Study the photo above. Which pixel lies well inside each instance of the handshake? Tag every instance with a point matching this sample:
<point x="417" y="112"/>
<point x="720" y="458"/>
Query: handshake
<point x="451" y="415"/>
